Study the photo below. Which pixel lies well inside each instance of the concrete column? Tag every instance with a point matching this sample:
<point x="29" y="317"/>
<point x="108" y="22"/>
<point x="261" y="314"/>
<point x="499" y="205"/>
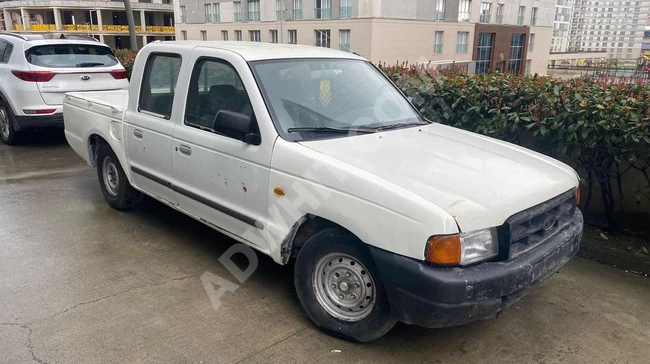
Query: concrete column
<point x="100" y="22"/>
<point x="24" y="18"/>
<point x="142" y="23"/>
<point x="57" y="18"/>
<point x="9" y="25"/>
<point x="144" y="41"/>
<point x="101" y="37"/>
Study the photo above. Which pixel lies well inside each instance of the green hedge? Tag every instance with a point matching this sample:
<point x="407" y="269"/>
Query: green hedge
<point x="601" y="128"/>
<point x="126" y="57"/>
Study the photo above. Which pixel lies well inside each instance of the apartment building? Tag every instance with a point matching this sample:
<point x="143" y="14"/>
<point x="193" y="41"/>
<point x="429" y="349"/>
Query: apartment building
<point x="490" y="35"/>
<point x="561" y="26"/>
<point x="102" y="19"/>
<point x="615" y="27"/>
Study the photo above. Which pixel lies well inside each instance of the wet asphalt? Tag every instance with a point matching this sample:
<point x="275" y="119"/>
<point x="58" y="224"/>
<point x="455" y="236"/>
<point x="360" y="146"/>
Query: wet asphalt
<point x="83" y="283"/>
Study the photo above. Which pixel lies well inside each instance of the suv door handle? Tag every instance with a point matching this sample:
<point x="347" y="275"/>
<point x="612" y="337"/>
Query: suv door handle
<point x="184" y="149"/>
<point x="137" y="133"/>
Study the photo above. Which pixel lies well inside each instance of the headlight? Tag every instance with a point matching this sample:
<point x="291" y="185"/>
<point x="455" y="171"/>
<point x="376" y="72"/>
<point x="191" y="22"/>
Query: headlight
<point x="463" y="249"/>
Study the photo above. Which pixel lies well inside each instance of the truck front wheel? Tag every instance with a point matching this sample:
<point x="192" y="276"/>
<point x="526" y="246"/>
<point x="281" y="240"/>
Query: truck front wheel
<point x="115" y="186"/>
<point x="339" y="288"/>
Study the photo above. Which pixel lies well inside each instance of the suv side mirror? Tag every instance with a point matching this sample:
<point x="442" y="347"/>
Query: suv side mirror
<point x="236" y="125"/>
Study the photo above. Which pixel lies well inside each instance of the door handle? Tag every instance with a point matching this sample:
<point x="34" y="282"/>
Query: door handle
<point x="137" y="133"/>
<point x="184" y="149"/>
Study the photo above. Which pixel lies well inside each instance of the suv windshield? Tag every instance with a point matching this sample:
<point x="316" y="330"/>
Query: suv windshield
<point x="312" y="98"/>
<point x="70" y="55"/>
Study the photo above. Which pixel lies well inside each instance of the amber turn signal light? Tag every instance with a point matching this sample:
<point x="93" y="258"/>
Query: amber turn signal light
<point x="578" y="195"/>
<point x="443" y="250"/>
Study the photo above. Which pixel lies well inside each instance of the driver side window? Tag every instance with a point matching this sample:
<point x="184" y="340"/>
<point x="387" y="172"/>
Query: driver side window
<point x="215" y="86"/>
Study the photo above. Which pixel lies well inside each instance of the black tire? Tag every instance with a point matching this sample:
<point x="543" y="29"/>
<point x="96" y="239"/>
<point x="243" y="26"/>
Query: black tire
<point x="8" y="135"/>
<point x="120" y="196"/>
<point x="325" y="242"/>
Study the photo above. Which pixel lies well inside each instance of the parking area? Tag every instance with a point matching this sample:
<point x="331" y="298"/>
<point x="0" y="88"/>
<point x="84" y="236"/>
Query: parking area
<point x="83" y="283"/>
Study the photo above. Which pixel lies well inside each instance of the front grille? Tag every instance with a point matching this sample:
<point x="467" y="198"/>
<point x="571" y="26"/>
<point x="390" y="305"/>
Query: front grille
<point x="538" y="224"/>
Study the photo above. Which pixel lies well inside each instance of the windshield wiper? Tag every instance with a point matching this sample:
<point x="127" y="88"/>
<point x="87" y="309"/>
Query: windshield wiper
<point x="400" y="125"/>
<point x="327" y="129"/>
<point x="89" y="64"/>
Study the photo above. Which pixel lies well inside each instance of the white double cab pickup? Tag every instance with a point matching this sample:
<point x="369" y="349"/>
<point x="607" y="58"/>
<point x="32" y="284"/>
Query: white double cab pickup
<point x="313" y="157"/>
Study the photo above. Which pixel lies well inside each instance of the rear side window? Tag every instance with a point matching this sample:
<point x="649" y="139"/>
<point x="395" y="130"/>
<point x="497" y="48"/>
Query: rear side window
<point x="5" y="51"/>
<point x="70" y="56"/>
<point x="159" y="84"/>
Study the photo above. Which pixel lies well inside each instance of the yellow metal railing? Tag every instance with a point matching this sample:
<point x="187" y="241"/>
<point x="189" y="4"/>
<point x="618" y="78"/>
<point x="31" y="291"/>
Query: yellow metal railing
<point x="80" y="27"/>
<point x="42" y="27"/>
<point x="160" y="29"/>
<point x="19" y="27"/>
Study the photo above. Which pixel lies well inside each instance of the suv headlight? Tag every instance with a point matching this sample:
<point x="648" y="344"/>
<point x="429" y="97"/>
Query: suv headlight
<point x="463" y="248"/>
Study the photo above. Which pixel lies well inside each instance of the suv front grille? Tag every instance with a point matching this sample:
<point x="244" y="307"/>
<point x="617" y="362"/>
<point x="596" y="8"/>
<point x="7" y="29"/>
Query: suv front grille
<point x="536" y="225"/>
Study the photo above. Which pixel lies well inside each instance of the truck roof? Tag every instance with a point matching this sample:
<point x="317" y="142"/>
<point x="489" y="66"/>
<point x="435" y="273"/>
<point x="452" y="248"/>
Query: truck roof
<point x="257" y="51"/>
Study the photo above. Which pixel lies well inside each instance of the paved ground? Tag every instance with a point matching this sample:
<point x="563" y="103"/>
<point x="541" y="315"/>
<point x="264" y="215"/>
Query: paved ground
<point x="82" y="283"/>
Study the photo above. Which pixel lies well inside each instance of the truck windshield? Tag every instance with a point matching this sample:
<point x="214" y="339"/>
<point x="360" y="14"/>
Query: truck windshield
<point x="315" y="98"/>
<point x="70" y="55"/>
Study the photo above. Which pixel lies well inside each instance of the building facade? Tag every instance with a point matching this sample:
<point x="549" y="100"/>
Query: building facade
<point x="503" y="35"/>
<point x="561" y="26"/>
<point x="615" y="27"/>
<point x="104" y="20"/>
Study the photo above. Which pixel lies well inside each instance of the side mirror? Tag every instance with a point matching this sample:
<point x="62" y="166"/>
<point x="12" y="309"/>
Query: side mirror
<point x="236" y="125"/>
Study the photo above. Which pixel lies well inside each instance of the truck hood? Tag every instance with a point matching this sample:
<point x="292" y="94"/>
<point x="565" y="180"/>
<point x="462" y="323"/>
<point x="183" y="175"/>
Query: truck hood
<point x="480" y="181"/>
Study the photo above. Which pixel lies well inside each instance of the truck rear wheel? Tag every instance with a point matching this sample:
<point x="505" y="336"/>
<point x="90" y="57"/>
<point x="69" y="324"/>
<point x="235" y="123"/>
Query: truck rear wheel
<point x="339" y="288"/>
<point x="113" y="181"/>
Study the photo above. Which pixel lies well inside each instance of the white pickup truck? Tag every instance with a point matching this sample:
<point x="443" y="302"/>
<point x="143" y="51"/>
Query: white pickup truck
<point x="312" y="156"/>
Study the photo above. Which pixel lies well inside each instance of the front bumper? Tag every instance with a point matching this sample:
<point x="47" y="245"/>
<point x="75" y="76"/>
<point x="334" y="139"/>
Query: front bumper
<point x="429" y="296"/>
<point x="36" y="122"/>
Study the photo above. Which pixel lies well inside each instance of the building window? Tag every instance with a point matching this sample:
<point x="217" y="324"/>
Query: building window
<point x="238" y="35"/>
<point x="237" y="8"/>
<point x="323" y="9"/>
<point x="254" y="36"/>
<point x="279" y="9"/>
<point x="440" y="9"/>
<point x="208" y="13"/>
<point x="484" y="52"/>
<point x="346" y="9"/>
<point x="217" y="13"/>
<point x="529" y="64"/>
<point x="499" y="13"/>
<point x="522" y="14"/>
<point x="533" y="18"/>
<point x="273" y="36"/>
<point x="437" y="44"/>
<point x="344" y="43"/>
<point x="464" y="11"/>
<point x="516" y="53"/>
<point x="486" y="13"/>
<point x="297" y="9"/>
<point x="531" y="42"/>
<point x="224" y="35"/>
<point x="204" y="35"/>
<point x="323" y="38"/>
<point x="254" y="10"/>
<point x="293" y="36"/>
<point x="462" y="42"/>
<point x="183" y="35"/>
<point x="183" y="15"/>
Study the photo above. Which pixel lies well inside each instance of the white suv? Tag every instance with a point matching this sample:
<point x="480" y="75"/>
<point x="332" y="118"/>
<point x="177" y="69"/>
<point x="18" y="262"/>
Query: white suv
<point x="37" y="70"/>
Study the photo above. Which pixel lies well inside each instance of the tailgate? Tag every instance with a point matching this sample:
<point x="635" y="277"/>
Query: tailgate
<point x="74" y="67"/>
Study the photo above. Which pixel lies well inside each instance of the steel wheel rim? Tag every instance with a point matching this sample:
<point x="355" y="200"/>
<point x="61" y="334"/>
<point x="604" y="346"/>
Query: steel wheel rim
<point x="4" y="123"/>
<point x="111" y="177"/>
<point x="344" y="287"/>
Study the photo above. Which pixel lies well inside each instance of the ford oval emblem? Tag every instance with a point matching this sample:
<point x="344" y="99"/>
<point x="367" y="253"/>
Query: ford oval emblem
<point x="85" y="78"/>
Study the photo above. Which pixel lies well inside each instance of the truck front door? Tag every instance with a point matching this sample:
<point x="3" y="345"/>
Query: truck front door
<point x="149" y="128"/>
<point x="217" y="176"/>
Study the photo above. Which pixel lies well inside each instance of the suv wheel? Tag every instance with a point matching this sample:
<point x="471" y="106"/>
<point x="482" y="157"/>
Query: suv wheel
<point x="340" y="289"/>
<point x="7" y="133"/>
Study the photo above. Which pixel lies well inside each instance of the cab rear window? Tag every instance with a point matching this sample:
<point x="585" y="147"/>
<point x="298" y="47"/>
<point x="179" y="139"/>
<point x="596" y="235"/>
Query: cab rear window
<point x="70" y="56"/>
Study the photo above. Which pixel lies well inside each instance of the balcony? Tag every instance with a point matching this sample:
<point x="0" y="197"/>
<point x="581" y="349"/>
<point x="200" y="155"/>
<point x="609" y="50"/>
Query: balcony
<point x="346" y="12"/>
<point x="85" y="27"/>
<point x="461" y="48"/>
<point x="520" y="20"/>
<point x="323" y="13"/>
<point x="464" y="16"/>
<point x="297" y="14"/>
<point x="237" y="16"/>
<point x="440" y="15"/>
<point x="499" y="19"/>
<point x="485" y="18"/>
<point x="41" y="27"/>
<point x="253" y="16"/>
